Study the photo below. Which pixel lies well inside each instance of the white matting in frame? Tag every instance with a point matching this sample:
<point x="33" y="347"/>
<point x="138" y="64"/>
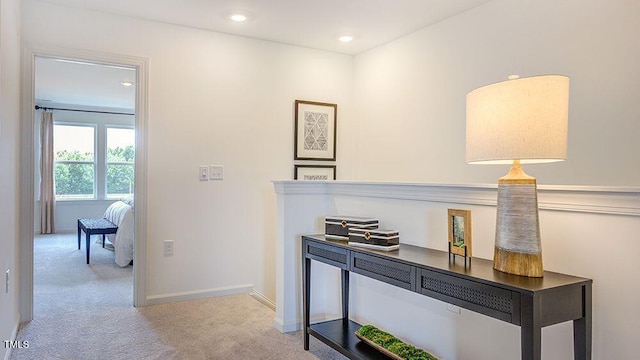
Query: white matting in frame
<point x="315" y="172"/>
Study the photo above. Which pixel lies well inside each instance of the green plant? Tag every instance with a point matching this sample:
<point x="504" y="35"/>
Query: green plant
<point x="393" y="344"/>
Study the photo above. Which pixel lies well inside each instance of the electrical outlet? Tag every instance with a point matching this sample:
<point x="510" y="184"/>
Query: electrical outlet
<point x="8" y="275"/>
<point x="216" y="172"/>
<point x="168" y="248"/>
<point x="454" y="309"/>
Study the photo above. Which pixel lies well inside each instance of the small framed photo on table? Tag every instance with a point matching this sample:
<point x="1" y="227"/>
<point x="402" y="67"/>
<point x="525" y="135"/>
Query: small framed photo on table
<point x="459" y="233"/>
<point x="314" y="172"/>
<point x="315" y="131"/>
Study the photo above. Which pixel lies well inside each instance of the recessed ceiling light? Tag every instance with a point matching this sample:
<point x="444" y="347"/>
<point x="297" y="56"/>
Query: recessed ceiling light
<point x="126" y="83"/>
<point x="238" y="17"/>
<point x="345" y="38"/>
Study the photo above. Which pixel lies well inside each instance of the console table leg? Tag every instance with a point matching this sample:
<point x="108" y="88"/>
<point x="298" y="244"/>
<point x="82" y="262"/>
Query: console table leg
<point x="306" y="280"/>
<point x="345" y="293"/>
<point x="79" y="230"/>
<point x="530" y="329"/>
<point x="531" y="343"/>
<point x="582" y="328"/>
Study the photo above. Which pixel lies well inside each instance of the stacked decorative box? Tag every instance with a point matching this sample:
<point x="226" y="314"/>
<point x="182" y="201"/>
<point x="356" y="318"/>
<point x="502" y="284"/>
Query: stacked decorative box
<point x="337" y="227"/>
<point x="361" y="231"/>
<point x="377" y="239"/>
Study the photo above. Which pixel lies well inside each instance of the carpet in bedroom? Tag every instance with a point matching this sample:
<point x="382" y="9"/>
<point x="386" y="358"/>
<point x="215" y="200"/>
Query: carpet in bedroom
<point x="84" y="312"/>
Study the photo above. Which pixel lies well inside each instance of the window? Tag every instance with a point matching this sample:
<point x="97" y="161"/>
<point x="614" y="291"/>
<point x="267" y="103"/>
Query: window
<point x="75" y="168"/>
<point x="120" y="157"/>
<point x="93" y="160"/>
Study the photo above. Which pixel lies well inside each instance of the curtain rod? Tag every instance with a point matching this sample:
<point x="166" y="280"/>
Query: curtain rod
<point x="38" y="107"/>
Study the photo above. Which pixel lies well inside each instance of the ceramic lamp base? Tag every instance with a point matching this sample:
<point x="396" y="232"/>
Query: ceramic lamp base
<point x="518" y="248"/>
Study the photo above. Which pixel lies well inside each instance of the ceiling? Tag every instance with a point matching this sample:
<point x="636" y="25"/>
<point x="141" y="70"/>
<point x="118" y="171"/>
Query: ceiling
<point x="84" y="84"/>
<point x="308" y="23"/>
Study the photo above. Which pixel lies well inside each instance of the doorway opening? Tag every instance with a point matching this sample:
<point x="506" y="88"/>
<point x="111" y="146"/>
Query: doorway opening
<point x="92" y="117"/>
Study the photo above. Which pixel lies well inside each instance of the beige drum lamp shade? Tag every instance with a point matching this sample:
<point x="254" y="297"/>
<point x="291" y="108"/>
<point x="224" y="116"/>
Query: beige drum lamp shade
<point x="521" y="119"/>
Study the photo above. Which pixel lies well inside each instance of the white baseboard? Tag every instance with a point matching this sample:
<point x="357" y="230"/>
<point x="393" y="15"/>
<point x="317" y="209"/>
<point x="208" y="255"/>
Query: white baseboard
<point x="285" y="328"/>
<point x="199" y="294"/>
<point x="36" y="232"/>
<point x="14" y="335"/>
<point x="297" y="325"/>
<point x="263" y="300"/>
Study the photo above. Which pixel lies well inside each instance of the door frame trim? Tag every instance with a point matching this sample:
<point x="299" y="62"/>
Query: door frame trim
<point x="26" y="181"/>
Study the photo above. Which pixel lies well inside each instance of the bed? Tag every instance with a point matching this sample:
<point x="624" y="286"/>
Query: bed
<point x="121" y="214"/>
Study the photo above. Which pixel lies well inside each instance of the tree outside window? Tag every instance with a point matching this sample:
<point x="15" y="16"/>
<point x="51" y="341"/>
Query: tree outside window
<point x="74" y="173"/>
<point x="86" y="171"/>
<point x="120" y="161"/>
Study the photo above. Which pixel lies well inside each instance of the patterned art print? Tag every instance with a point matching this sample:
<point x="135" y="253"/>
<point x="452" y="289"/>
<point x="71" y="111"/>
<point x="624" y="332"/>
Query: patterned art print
<point x="316" y="131"/>
<point x="314" y="172"/>
<point x="316" y="177"/>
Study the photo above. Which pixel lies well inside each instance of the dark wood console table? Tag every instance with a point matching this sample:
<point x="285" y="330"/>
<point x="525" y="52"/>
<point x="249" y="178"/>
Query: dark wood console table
<point x="531" y="303"/>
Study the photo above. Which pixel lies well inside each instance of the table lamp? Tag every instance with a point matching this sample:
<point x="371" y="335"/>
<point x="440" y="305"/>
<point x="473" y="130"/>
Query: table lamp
<point x="518" y="121"/>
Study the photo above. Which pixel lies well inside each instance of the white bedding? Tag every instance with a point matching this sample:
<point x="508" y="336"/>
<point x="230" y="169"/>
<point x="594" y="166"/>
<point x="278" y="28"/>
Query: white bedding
<point x="121" y="214"/>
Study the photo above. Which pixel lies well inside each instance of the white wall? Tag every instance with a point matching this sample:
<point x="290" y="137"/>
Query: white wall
<point x="410" y="93"/>
<point x="586" y="231"/>
<point x="213" y="99"/>
<point x="9" y="135"/>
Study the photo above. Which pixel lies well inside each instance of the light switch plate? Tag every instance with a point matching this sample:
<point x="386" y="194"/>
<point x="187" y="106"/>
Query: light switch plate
<point x="204" y="173"/>
<point x="216" y="172"/>
<point x="168" y="248"/>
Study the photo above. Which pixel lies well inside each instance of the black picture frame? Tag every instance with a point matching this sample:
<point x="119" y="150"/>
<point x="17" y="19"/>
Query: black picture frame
<point x="315" y="130"/>
<point x="322" y="173"/>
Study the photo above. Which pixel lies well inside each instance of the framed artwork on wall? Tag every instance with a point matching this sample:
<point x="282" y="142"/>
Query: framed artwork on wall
<point x="315" y="131"/>
<point x="314" y="172"/>
<point x="459" y="232"/>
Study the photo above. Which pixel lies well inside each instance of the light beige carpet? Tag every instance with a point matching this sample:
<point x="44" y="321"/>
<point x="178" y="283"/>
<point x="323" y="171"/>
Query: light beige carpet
<point x="85" y="312"/>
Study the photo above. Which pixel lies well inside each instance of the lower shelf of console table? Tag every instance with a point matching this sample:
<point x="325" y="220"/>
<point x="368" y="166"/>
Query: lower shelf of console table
<point x="531" y="303"/>
<point x="340" y="335"/>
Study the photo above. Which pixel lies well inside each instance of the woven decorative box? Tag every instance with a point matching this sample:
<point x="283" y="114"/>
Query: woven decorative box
<point x="375" y="238"/>
<point x="337" y="227"/>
